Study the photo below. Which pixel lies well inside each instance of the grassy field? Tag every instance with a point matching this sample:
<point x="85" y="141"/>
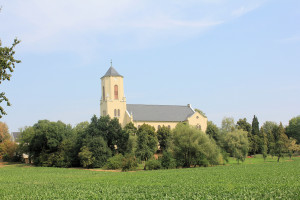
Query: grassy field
<point x="254" y="179"/>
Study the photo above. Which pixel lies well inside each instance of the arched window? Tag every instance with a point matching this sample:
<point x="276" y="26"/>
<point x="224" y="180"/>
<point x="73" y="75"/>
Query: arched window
<point x="158" y="127"/>
<point x="169" y="126"/>
<point x="118" y="112"/>
<point x="198" y="126"/>
<point x="139" y="126"/>
<point x="116" y="92"/>
<point x="115" y="112"/>
<point x="103" y="93"/>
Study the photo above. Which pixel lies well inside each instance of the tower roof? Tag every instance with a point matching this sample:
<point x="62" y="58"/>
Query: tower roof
<point x="111" y="72"/>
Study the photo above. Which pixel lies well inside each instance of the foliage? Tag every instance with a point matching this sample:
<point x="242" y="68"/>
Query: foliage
<point x="227" y="125"/>
<point x="293" y="146"/>
<point x="213" y="131"/>
<point x="244" y="125"/>
<point x="86" y="157"/>
<point x="146" y="142"/>
<point x="100" y="151"/>
<point x="191" y="146"/>
<point x="130" y="128"/>
<point x="153" y="164"/>
<point x="167" y="160"/>
<point x="7" y="150"/>
<point x="129" y="163"/>
<point x="115" y="162"/>
<point x="281" y="139"/>
<point x="7" y="65"/>
<point x="164" y="137"/>
<point x="293" y="129"/>
<point x="236" y="143"/>
<point x="4" y="133"/>
<point x="268" y="128"/>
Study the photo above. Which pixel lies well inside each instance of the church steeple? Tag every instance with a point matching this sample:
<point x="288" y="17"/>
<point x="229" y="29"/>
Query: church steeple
<point x="111" y="72"/>
<point x="113" y="101"/>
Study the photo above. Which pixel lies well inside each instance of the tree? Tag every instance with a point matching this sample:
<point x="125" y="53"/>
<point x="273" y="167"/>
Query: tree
<point x="130" y="128"/>
<point x="227" y="125"/>
<point x="4" y="133"/>
<point x="264" y="143"/>
<point x="293" y="147"/>
<point x="236" y="143"/>
<point x="268" y="128"/>
<point x="146" y="142"/>
<point x="281" y="139"/>
<point x="293" y="129"/>
<point x="7" y="65"/>
<point x="213" y="131"/>
<point x="164" y="137"/>
<point x="86" y="157"/>
<point x="244" y="125"/>
<point x="193" y="147"/>
<point x="255" y="137"/>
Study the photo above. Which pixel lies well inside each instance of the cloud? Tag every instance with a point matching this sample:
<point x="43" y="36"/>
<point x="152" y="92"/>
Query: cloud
<point x="84" y="26"/>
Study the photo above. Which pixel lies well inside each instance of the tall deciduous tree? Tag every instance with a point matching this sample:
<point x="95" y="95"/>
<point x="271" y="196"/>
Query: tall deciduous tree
<point x="213" y="131"/>
<point x="164" y="137"/>
<point x="268" y="128"/>
<point x="293" y="129"/>
<point x="4" y="133"/>
<point x="282" y="142"/>
<point x="146" y="142"/>
<point x="7" y="65"/>
<point x="227" y="125"/>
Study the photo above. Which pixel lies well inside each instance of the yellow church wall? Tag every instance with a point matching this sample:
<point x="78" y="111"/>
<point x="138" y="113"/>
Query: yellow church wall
<point x="156" y="124"/>
<point x="198" y="119"/>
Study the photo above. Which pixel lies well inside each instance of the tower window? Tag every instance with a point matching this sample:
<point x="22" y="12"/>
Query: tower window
<point x="103" y="93"/>
<point x="169" y="126"/>
<point x="158" y="127"/>
<point x="118" y="112"/>
<point x="116" y="92"/>
<point x="115" y="113"/>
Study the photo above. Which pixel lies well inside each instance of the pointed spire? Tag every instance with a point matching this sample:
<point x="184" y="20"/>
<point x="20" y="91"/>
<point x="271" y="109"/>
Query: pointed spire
<point x="111" y="71"/>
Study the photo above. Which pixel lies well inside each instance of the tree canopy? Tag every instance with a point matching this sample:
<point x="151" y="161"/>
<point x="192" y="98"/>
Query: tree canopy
<point x="7" y="65"/>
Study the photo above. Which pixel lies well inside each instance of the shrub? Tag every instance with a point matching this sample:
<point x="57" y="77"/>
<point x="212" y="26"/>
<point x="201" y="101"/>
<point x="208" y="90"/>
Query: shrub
<point x="114" y="162"/>
<point x="129" y="163"/>
<point x="167" y="160"/>
<point x="153" y="164"/>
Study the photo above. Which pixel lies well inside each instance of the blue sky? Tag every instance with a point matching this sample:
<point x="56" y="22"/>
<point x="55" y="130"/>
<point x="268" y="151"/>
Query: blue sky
<point x="228" y="58"/>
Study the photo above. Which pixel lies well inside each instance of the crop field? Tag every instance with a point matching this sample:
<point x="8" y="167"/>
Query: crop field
<point x="253" y="179"/>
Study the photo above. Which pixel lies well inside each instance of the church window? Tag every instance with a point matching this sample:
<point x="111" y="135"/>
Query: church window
<point x="198" y="126"/>
<point x="158" y="127"/>
<point x="118" y="112"/>
<point x="115" y="113"/>
<point x="104" y="112"/>
<point x="116" y="92"/>
<point x="169" y="126"/>
<point x="139" y="126"/>
<point x="103" y="93"/>
<point x="197" y="117"/>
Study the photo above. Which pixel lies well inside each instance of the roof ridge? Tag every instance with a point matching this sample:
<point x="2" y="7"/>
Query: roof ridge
<point x="158" y="105"/>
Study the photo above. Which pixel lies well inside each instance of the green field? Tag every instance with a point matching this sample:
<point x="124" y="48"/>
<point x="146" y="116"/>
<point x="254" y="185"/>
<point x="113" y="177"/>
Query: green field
<point x="253" y="179"/>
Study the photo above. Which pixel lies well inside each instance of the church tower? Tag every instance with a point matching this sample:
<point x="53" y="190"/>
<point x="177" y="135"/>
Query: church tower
<point x="113" y="101"/>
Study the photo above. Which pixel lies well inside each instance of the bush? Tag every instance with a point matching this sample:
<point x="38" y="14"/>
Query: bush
<point x="114" y="162"/>
<point x="129" y="163"/>
<point x="153" y="164"/>
<point x="167" y="161"/>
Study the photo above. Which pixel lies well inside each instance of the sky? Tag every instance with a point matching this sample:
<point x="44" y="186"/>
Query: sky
<point x="229" y="58"/>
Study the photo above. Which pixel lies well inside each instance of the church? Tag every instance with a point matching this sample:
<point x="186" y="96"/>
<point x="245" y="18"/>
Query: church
<point x="113" y="103"/>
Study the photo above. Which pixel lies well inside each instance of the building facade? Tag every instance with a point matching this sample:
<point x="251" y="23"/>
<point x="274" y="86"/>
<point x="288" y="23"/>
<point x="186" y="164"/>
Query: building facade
<point x="113" y="103"/>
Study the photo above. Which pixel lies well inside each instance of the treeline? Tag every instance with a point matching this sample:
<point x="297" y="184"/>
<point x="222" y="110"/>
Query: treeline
<point x="269" y="139"/>
<point x="103" y="143"/>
